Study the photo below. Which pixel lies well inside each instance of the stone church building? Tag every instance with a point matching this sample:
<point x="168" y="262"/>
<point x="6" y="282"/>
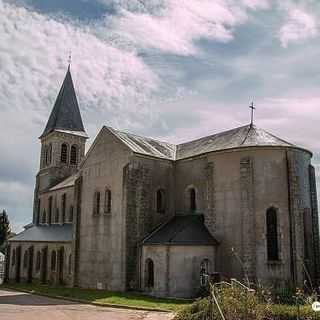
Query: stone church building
<point x="141" y="214"/>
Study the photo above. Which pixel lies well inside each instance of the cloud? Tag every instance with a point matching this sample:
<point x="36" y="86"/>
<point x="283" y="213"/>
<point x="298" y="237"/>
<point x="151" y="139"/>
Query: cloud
<point x="175" y="26"/>
<point x="300" y="25"/>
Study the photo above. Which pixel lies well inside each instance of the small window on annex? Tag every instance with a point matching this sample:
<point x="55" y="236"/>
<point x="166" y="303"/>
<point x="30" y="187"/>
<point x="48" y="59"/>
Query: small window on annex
<point x="160" y="201"/>
<point x="193" y="199"/>
<point x="25" y="259"/>
<point x="38" y="261"/>
<point x="53" y="261"/>
<point x="149" y="273"/>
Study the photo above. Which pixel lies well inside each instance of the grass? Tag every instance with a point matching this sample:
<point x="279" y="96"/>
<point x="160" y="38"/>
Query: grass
<point x="104" y="297"/>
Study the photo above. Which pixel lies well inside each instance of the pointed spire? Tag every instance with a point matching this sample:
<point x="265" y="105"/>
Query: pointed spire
<point x="65" y="114"/>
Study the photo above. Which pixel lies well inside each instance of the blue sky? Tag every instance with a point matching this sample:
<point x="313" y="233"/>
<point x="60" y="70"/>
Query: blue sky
<point x="170" y="69"/>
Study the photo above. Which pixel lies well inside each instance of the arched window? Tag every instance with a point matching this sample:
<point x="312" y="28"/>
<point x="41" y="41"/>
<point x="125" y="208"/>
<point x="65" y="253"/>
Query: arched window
<point x="160" y="201"/>
<point x="107" y="201"/>
<point x="272" y="234"/>
<point x="53" y="260"/>
<point x="74" y="155"/>
<point x="13" y="257"/>
<point x="193" y="200"/>
<point x="48" y="154"/>
<point x="64" y="205"/>
<point x="38" y="259"/>
<point x="96" y="203"/>
<point x="45" y="155"/>
<point x="44" y="216"/>
<point x="69" y="264"/>
<point x="149" y="273"/>
<point x="56" y="217"/>
<point x="25" y="259"/>
<point x="71" y="214"/>
<point x="64" y="153"/>
<point x="204" y="272"/>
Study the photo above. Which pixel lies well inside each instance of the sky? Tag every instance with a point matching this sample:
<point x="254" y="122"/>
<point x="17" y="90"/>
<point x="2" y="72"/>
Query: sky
<point x="174" y="70"/>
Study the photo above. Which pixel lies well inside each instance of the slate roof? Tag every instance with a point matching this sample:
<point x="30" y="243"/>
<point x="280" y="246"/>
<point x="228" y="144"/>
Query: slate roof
<point x="146" y="146"/>
<point x="182" y="230"/>
<point x="65" y="114"/>
<point x="66" y="183"/>
<point x="242" y="137"/>
<point x="44" y="233"/>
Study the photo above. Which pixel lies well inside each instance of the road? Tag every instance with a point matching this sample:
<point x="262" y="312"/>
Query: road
<point x="23" y="306"/>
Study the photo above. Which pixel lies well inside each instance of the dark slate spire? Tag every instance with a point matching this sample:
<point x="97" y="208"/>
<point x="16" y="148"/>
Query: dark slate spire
<point x="65" y="114"/>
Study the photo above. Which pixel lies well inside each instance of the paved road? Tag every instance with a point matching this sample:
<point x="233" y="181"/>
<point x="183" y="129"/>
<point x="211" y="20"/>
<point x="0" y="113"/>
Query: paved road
<point x="22" y="306"/>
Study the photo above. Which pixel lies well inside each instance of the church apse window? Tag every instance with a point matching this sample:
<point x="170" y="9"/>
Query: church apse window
<point x="64" y="153"/>
<point x="272" y="234"/>
<point x="107" y="201"/>
<point x="193" y="199"/>
<point x="13" y="257"/>
<point x="149" y="273"/>
<point x="160" y="201"/>
<point x="96" y="202"/>
<point x="74" y="154"/>
<point x="71" y="214"/>
<point x="53" y="260"/>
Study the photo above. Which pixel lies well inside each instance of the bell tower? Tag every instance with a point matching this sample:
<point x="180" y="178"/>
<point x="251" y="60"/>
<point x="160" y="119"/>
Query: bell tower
<point x="62" y="142"/>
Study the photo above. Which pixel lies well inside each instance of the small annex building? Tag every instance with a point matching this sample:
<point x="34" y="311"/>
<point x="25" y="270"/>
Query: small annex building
<point x="136" y="213"/>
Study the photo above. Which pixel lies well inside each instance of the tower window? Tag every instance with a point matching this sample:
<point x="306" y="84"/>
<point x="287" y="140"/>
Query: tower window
<point x="64" y="153"/>
<point x="96" y="203"/>
<point x="48" y="154"/>
<point x="53" y="260"/>
<point x="50" y="210"/>
<point x="107" y="201"/>
<point x="44" y="217"/>
<point x="160" y="201"/>
<point x="272" y="234"/>
<point x="56" y="218"/>
<point x="74" y="155"/>
<point x="193" y="201"/>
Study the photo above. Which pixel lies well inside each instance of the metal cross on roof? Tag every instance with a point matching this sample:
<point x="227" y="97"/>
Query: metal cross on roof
<point x="69" y="59"/>
<point x="252" y="107"/>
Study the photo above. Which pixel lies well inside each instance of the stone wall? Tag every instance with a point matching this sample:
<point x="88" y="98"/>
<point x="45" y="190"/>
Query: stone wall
<point x="30" y="270"/>
<point x="142" y="178"/>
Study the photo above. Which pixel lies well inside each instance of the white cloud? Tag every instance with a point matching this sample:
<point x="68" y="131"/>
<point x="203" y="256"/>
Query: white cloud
<point x="300" y="25"/>
<point x="174" y="26"/>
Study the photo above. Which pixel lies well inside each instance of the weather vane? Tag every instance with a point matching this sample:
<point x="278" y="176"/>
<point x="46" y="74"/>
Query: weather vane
<point x="252" y="107"/>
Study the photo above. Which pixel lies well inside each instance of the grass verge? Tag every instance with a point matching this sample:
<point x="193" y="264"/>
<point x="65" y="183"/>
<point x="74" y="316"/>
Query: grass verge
<point x="103" y="297"/>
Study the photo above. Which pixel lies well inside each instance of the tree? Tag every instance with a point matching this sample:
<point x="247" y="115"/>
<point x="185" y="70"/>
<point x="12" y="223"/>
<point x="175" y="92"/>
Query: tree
<point x="5" y="229"/>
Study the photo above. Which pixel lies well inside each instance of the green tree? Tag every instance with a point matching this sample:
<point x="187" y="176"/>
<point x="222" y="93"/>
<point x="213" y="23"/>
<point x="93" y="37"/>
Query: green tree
<point x="5" y="229"/>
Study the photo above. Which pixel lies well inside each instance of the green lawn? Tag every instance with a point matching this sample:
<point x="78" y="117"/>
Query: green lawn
<point x="129" y="299"/>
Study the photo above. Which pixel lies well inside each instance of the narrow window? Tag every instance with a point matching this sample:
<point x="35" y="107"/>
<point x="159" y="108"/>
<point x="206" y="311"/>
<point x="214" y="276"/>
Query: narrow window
<point x="160" y="201"/>
<point x="48" y="154"/>
<point x="63" y="205"/>
<point x="53" y="261"/>
<point x="38" y="259"/>
<point x="25" y="259"/>
<point x="13" y="257"/>
<point x="149" y="273"/>
<point x="96" y="203"/>
<point x="71" y="214"/>
<point x="305" y="233"/>
<point x="74" y="154"/>
<point x="272" y="235"/>
<point x="193" y="202"/>
<point x="69" y="264"/>
<point x="44" y="217"/>
<point x="56" y="218"/>
<point x="64" y="153"/>
<point x="204" y="272"/>
<point x="45" y="157"/>
<point x="107" y="201"/>
<point x="50" y="210"/>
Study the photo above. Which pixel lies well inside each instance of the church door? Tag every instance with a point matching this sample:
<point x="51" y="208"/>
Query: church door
<point x="18" y="263"/>
<point x="44" y="263"/>
<point x="30" y="264"/>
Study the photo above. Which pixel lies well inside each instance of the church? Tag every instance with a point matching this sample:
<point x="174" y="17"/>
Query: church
<point x="135" y="213"/>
